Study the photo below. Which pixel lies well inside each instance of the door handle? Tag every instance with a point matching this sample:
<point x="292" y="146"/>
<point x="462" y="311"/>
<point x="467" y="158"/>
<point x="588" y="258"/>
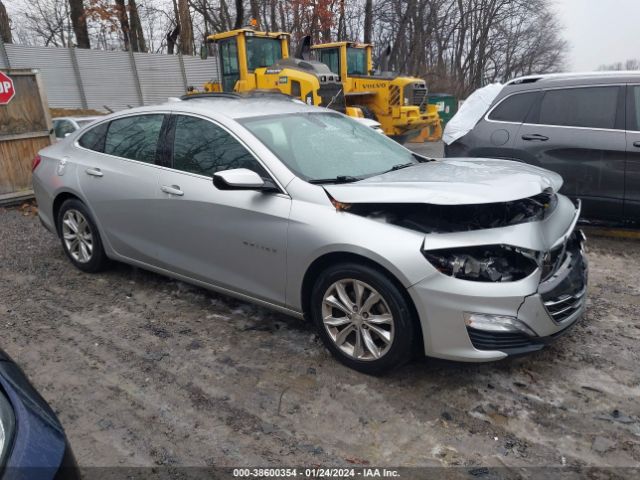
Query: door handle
<point x="172" y="190"/>
<point x="95" y="172"/>
<point x="636" y="144"/>
<point x="535" y="136"/>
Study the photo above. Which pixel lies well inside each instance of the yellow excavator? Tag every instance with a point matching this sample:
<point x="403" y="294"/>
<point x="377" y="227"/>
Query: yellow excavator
<point x="253" y="60"/>
<point x="399" y="103"/>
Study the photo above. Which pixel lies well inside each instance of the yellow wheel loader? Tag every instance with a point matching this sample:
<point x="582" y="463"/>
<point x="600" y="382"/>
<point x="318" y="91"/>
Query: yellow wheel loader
<point x="252" y="60"/>
<point x="398" y="103"/>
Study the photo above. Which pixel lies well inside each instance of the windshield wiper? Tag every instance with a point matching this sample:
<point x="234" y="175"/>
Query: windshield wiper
<point x="338" y="179"/>
<point x="400" y="166"/>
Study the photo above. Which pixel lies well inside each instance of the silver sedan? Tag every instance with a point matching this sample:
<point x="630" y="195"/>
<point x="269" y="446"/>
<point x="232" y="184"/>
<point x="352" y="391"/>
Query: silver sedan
<point x="308" y="212"/>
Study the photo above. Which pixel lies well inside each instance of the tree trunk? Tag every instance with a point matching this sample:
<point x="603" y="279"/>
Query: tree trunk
<point x="5" y="27"/>
<point x="186" y="28"/>
<point x="124" y="22"/>
<point x="172" y="38"/>
<point x="342" y="28"/>
<point x="137" y="35"/>
<point x="274" y="16"/>
<point x="255" y="12"/>
<point x="79" y="21"/>
<point x="239" y="14"/>
<point x="368" y="21"/>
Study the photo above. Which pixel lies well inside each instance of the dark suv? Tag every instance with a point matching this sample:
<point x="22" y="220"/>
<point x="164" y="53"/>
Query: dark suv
<point x="586" y="127"/>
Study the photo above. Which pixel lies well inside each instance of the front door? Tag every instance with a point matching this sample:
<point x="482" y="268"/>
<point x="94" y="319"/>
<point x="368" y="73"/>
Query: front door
<point x="229" y="64"/>
<point x="579" y="133"/>
<point x="233" y="239"/>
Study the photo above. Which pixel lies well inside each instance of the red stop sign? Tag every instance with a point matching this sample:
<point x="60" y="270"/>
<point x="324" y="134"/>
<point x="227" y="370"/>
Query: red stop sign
<point x="6" y="89"/>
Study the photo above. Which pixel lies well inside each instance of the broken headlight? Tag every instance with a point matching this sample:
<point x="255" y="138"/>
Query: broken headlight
<point x="490" y="263"/>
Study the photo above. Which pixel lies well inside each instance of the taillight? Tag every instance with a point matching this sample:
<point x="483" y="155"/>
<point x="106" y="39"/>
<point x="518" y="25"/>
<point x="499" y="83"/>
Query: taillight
<point x="35" y="162"/>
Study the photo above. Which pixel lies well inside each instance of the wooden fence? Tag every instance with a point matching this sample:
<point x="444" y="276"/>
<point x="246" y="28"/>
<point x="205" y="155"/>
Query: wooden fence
<point x="25" y="128"/>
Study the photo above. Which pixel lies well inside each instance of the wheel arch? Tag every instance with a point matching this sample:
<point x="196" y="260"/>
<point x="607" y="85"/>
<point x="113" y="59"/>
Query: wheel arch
<point x="333" y="258"/>
<point x="59" y="199"/>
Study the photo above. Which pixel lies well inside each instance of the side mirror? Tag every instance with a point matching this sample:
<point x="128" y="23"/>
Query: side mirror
<point x="67" y="134"/>
<point x="241" y="179"/>
<point x="204" y="52"/>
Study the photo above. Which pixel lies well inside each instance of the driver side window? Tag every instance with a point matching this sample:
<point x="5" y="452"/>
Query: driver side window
<point x="204" y="148"/>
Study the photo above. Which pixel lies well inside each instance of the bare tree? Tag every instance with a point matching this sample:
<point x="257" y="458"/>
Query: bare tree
<point x="137" y="35"/>
<point x="239" y="14"/>
<point x="368" y="20"/>
<point x="630" y="64"/>
<point x="121" y="11"/>
<point x="79" y="22"/>
<point x="5" y="25"/>
<point x="255" y="11"/>
<point x="186" y="28"/>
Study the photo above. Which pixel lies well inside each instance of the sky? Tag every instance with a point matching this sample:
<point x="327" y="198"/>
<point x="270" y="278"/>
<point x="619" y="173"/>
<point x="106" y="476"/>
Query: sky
<point x="599" y="31"/>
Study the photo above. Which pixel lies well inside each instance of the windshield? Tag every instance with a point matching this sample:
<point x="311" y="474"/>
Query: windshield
<point x="262" y="52"/>
<point x="357" y="61"/>
<point x="318" y="146"/>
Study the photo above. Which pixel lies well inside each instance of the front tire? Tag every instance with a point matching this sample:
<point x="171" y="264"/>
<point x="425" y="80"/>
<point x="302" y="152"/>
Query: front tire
<point x="80" y="237"/>
<point x="363" y="318"/>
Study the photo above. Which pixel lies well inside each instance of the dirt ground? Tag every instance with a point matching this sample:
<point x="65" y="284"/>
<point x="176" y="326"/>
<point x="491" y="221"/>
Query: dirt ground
<point x="144" y="370"/>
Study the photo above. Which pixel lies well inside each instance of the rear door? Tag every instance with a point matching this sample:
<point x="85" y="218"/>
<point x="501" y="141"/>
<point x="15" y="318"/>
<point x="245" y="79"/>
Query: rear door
<point x="119" y="178"/>
<point x="632" y="177"/>
<point x="235" y="239"/>
<point x="495" y="135"/>
<point x="578" y="132"/>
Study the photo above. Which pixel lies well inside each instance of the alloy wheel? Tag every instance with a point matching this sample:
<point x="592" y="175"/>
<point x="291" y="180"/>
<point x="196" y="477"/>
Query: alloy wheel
<point x="77" y="236"/>
<point x="358" y="319"/>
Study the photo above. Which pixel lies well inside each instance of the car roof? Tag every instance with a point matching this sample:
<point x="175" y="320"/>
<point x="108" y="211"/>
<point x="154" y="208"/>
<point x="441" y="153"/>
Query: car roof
<point x="532" y="82"/>
<point x="79" y="118"/>
<point x="231" y="105"/>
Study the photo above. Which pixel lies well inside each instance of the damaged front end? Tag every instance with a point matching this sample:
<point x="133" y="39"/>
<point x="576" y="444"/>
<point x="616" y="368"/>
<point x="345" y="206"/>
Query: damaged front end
<point x="486" y="263"/>
<point x="490" y="263"/>
<point x="430" y="218"/>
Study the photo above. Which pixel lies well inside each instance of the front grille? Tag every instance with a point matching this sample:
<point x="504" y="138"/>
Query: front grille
<point x="332" y="96"/>
<point x="483" y="340"/>
<point x="420" y="98"/>
<point x="563" y="307"/>
<point x="564" y="293"/>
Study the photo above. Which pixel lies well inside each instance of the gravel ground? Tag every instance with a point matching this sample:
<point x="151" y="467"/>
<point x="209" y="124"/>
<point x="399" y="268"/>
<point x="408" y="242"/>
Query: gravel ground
<point x="146" y="371"/>
<point x="428" y="149"/>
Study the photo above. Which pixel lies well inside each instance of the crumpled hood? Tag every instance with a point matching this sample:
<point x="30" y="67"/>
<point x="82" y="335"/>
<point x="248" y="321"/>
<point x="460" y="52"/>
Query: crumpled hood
<point x="459" y="181"/>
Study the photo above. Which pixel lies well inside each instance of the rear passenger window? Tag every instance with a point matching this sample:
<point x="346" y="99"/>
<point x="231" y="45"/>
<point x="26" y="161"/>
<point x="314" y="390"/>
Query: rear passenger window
<point x="591" y="107"/>
<point x="94" y="138"/>
<point x="513" y="108"/>
<point x="134" y="137"/>
<point x="204" y="148"/>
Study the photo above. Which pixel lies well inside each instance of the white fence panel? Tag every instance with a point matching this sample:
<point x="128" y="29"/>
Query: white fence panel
<point x="108" y="79"/>
<point x="56" y="69"/>
<point x="160" y="77"/>
<point x="200" y="71"/>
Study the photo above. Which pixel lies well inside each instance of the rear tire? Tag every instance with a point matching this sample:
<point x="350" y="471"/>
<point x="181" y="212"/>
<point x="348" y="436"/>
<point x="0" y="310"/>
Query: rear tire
<point x="363" y="318"/>
<point x="80" y="238"/>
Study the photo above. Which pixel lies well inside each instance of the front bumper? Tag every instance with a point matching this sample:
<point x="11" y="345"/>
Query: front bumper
<point x="549" y="307"/>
